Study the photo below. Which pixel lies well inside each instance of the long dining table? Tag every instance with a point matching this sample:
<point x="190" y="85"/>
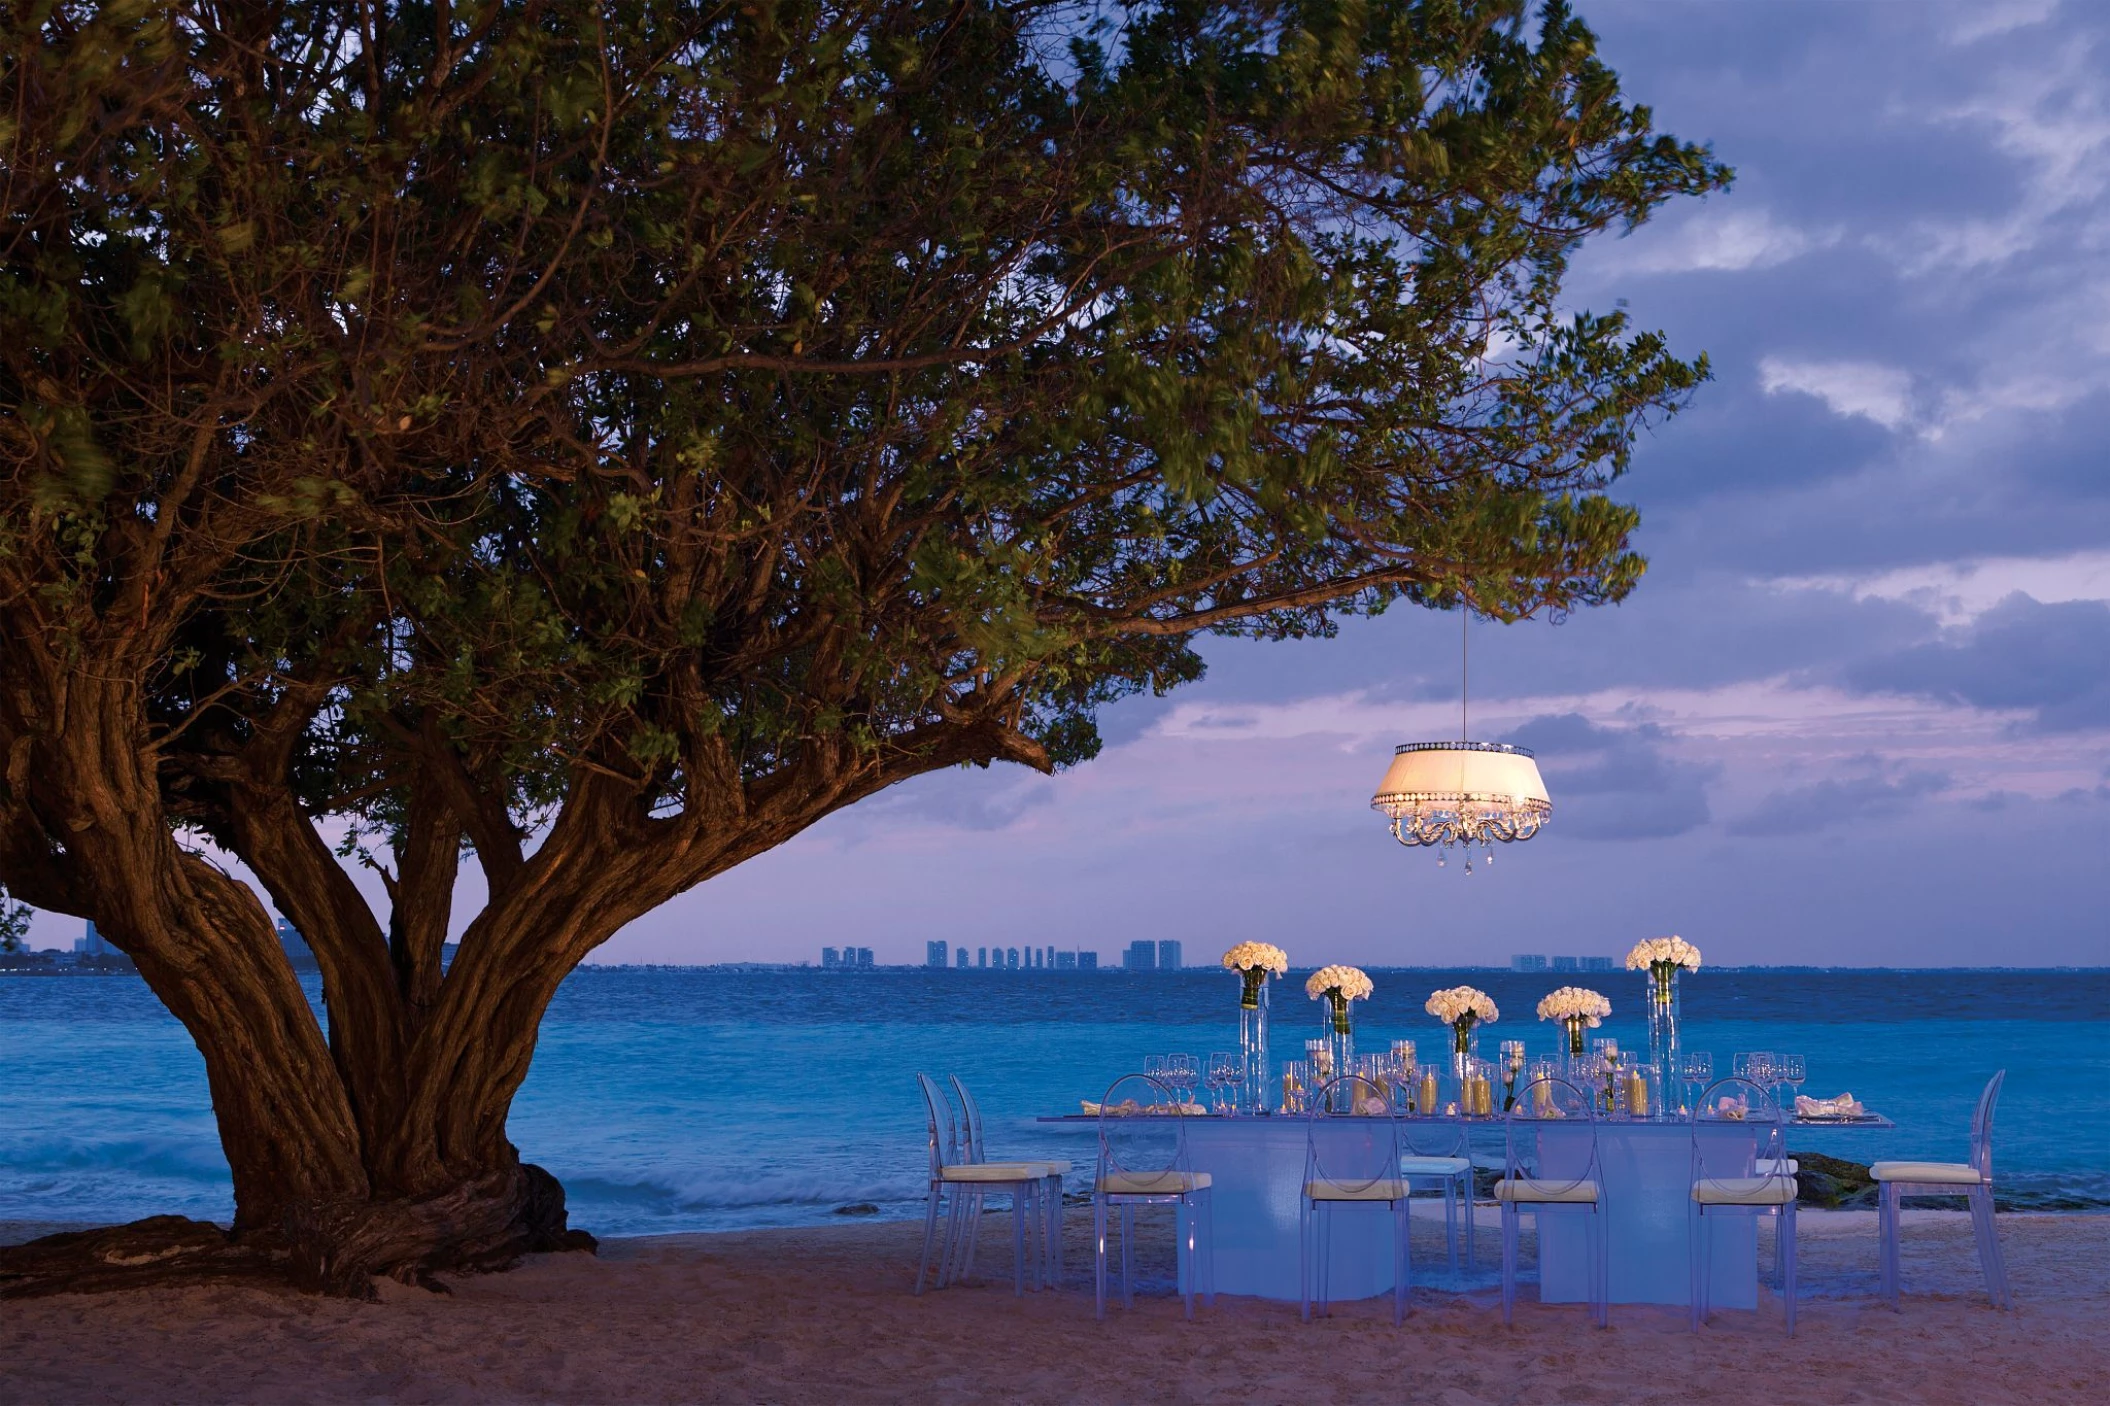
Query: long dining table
<point x="1256" y="1167"/>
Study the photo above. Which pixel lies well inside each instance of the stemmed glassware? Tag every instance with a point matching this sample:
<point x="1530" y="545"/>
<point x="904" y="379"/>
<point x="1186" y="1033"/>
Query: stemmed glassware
<point x="1185" y="1073"/>
<point x="1158" y="1067"/>
<point x="1791" y="1071"/>
<point x="1698" y="1073"/>
<point x="1224" y="1076"/>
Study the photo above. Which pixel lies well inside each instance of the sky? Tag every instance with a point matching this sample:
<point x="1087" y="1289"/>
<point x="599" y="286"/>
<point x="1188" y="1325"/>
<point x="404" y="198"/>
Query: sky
<point x="1858" y="712"/>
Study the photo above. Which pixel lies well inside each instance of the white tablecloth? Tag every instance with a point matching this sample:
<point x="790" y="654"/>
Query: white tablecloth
<point x="1257" y="1167"/>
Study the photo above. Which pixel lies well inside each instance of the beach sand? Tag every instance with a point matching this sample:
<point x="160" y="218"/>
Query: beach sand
<point x="825" y="1315"/>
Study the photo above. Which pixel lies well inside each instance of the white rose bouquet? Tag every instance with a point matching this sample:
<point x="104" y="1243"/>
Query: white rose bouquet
<point x="1461" y="1008"/>
<point x="1253" y="961"/>
<point x="1339" y="985"/>
<point x="1663" y="958"/>
<point x="1577" y="1009"/>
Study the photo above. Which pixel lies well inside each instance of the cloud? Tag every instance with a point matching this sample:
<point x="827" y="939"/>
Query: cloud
<point x="960" y="798"/>
<point x="1958" y="592"/>
<point x="1634" y="788"/>
<point x="1727" y="241"/>
<point x="1879" y="393"/>
<point x="1987" y="19"/>
<point x="1824" y="805"/>
<point x="2050" y="660"/>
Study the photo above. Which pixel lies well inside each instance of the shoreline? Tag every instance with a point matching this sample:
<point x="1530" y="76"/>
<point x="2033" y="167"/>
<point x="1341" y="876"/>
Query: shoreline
<point x="826" y="1313"/>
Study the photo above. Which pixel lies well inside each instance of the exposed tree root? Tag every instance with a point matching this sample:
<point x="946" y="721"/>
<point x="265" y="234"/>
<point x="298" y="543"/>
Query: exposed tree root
<point x="334" y="1248"/>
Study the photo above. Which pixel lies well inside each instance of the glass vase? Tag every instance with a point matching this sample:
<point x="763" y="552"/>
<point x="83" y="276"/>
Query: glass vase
<point x="1663" y="1052"/>
<point x="1255" y="1094"/>
<point x="1339" y="1035"/>
<point x="1465" y="1047"/>
<point x="1573" y="1051"/>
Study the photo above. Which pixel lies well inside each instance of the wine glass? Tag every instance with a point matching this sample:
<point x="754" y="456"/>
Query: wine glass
<point x="1154" y="1067"/>
<point x="1698" y="1073"/>
<point x="1186" y="1073"/>
<point x="1793" y="1070"/>
<point x="1223" y="1078"/>
<point x="1512" y="1066"/>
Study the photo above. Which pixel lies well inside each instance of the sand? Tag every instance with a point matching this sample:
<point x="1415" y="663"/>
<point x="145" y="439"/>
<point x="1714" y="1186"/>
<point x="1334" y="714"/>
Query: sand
<point x="825" y="1315"/>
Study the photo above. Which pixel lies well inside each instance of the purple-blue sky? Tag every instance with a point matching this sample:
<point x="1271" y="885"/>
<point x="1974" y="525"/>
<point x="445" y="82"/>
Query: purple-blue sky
<point x="1859" y="710"/>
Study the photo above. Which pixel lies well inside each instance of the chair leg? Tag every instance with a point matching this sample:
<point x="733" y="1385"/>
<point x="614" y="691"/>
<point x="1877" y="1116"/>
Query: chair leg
<point x="1695" y="1227"/>
<point x="1784" y="1251"/>
<point x="1018" y="1243"/>
<point x="1450" y="1220"/>
<point x="949" y="1267"/>
<point x="1099" y="1258"/>
<point x="1509" y="1262"/>
<point x="1325" y="1257"/>
<point x="1399" y="1261"/>
<point x="1600" y="1276"/>
<point x="1990" y="1262"/>
<point x="1887" y="1227"/>
<point x="1208" y="1204"/>
<point x="930" y="1235"/>
<point x="1183" y="1256"/>
<point x="1706" y="1267"/>
<point x="1465" y="1196"/>
<point x="1305" y="1214"/>
<point x="1054" y="1240"/>
<point x="1128" y="1240"/>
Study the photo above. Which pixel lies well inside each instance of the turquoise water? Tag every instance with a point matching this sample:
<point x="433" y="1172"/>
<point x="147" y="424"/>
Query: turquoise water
<point x="696" y="1099"/>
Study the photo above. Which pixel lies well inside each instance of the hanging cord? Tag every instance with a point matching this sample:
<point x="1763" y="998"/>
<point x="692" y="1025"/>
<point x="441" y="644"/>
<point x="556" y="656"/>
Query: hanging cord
<point x="1464" y="681"/>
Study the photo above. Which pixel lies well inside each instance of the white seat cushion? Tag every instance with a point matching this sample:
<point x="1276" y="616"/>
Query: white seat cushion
<point x="1927" y="1173"/>
<point x="1044" y="1169"/>
<point x="1744" y="1191"/>
<point x="1524" y="1189"/>
<point x="1777" y="1166"/>
<point x="1434" y="1166"/>
<point x="994" y="1172"/>
<point x="1153" y="1183"/>
<point x="1382" y="1189"/>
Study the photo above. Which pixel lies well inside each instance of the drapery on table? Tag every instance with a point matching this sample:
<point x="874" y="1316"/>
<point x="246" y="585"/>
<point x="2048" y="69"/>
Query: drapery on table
<point x="1257" y="1167"/>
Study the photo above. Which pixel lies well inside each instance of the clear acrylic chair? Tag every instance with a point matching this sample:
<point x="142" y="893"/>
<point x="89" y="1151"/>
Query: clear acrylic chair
<point x="1972" y="1180"/>
<point x="976" y="1153"/>
<point x="1438" y="1150"/>
<point x="960" y="1187"/>
<point x="1731" y="1176"/>
<point x="1549" y="1111"/>
<point x="1351" y="1158"/>
<point x="1143" y="1161"/>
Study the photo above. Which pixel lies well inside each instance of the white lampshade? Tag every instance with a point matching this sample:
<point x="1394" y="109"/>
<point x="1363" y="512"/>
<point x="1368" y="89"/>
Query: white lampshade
<point x="1451" y="773"/>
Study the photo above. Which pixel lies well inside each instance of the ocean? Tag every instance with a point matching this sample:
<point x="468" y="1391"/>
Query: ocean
<point x="683" y="1099"/>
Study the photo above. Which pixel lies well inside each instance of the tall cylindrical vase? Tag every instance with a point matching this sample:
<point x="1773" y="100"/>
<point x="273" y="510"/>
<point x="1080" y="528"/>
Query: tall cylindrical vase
<point x="1664" y="1056"/>
<point x="1254" y="1094"/>
<point x="1340" y="1039"/>
<point x="1573" y="1047"/>
<point x="1465" y="1042"/>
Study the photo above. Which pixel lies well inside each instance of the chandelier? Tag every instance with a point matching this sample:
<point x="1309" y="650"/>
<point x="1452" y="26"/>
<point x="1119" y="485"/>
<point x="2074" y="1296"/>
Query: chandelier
<point x="1462" y="793"/>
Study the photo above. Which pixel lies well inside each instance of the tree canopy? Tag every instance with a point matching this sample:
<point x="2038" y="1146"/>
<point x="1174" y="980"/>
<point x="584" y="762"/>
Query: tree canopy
<point x="605" y="438"/>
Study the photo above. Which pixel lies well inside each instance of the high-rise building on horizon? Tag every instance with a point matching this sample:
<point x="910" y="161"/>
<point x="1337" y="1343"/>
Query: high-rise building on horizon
<point x="962" y="963"/>
<point x="830" y="957"/>
<point x="93" y="943"/>
<point x="1065" y="961"/>
<point x="934" y="952"/>
<point x="1527" y="962"/>
<point x="864" y="957"/>
<point x="1142" y="956"/>
<point x="1566" y="964"/>
<point x="1599" y="964"/>
<point x="1169" y="955"/>
<point x="1087" y="961"/>
<point x="1011" y="959"/>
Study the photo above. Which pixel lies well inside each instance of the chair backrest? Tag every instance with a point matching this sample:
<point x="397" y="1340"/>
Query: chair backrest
<point x="1142" y="1129"/>
<point x="944" y="1137"/>
<point x="972" y="1149"/>
<point x="1547" y="1106"/>
<point x="1438" y="1135"/>
<point x="1737" y="1102"/>
<point x="1357" y="1146"/>
<point x="1982" y="1125"/>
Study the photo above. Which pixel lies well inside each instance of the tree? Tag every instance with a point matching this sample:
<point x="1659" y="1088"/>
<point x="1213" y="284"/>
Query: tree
<point x="604" y="439"/>
<point x="14" y="923"/>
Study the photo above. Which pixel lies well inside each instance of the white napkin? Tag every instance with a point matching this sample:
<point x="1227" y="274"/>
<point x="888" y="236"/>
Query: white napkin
<point x="1844" y="1106"/>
